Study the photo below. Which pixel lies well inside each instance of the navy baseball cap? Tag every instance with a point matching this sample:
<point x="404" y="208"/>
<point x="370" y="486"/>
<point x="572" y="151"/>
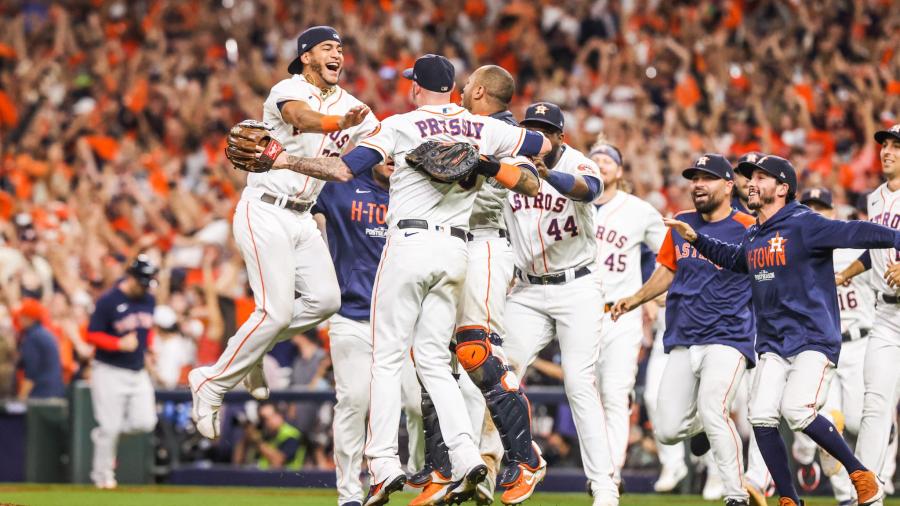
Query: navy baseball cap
<point x="143" y="270"/>
<point x="819" y="195"/>
<point x="777" y="167"/>
<point x="544" y="113"/>
<point x="750" y="156"/>
<point x="310" y="38"/>
<point x="432" y="72"/>
<point x="890" y="133"/>
<point x="710" y="163"/>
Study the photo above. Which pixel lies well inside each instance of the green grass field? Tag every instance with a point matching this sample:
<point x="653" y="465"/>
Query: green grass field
<point x="78" y="495"/>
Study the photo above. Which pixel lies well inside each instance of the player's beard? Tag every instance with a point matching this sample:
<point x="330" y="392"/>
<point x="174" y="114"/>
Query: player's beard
<point x="317" y="68"/>
<point x="711" y="204"/>
<point x="761" y="201"/>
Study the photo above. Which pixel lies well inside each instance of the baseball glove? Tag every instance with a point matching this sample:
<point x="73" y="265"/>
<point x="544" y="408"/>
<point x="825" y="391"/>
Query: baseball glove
<point x="251" y="146"/>
<point x="447" y="162"/>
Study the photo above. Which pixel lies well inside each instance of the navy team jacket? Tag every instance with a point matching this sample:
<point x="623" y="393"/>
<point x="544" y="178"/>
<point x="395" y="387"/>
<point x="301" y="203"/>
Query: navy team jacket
<point x="789" y="260"/>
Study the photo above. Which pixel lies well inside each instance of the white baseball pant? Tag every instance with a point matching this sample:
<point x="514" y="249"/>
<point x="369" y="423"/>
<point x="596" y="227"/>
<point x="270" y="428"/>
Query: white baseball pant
<point x="483" y="303"/>
<point x="351" y="354"/>
<point x="882" y="387"/>
<point x="697" y="389"/>
<point x="620" y="344"/>
<point x="124" y="403"/>
<point x="793" y="388"/>
<point x="670" y="456"/>
<point x="285" y="255"/>
<point x="843" y="399"/>
<point x="537" y="313"/>
<point x="414" y="303"/>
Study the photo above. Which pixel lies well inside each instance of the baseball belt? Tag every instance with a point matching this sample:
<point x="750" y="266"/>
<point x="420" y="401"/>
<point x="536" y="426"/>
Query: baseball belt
<point x="890" y="299"/>
<point x="423" y="224"/>
<point x="854" y="334"/>
<point x="286" y="202"/>
<point x="488" y="233"/>
<point x="556" y="278"/>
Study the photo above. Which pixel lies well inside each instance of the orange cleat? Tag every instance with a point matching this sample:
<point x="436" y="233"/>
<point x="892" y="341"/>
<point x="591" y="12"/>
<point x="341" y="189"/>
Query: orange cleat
<point x="787" y="501"/>
<point x="869" y="489"/>
<point x="529" y="478"/>
<point x="435" y="492"/>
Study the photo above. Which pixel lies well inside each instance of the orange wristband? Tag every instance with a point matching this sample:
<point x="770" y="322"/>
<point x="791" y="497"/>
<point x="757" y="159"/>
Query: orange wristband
<point x="330" y="124"/>
<point x="508" y="175"/>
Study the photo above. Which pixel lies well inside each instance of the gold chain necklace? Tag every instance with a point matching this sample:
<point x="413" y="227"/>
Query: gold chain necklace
<point x="323" y="92"/>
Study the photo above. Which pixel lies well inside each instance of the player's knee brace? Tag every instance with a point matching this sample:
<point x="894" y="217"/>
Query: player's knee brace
<point x="437" y="455"/>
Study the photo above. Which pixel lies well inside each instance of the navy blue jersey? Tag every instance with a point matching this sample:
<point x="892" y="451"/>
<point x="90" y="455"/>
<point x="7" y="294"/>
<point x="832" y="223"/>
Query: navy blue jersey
<point x="355" y="213"/>
<point x="39" y="358"/>
<point x="790" y="262"/>
<point x="706" y="304"/>
<point x="118" y="315"/>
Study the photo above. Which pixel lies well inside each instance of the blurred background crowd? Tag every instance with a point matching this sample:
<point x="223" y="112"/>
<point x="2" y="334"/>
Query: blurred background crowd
<point x="113" y="117"/>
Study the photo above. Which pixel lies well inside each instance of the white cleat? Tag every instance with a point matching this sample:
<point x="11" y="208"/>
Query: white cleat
<point x="713" y="489"/>
<point x="255" y="383"/>
<point x="669" y="478"/>
<point x="204" y="414"/>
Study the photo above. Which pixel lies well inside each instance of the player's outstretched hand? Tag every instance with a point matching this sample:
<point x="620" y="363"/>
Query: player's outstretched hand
<point x="128" y="342"/>
<point x="892" y="275"/>
<point x="623" y="306"/>
<point x="353" y="117"/>
<point x="682" y="228"/>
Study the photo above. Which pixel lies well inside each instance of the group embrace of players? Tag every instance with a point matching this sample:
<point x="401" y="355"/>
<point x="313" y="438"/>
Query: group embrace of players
<point x="441" y="294"/>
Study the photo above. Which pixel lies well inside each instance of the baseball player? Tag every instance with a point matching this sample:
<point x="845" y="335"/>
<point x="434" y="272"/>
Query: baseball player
<point x="623" y="222"/>
<point x="739" y="197"/>
<point x="488" y="383"/>
<point x="356" y="230"/>
<point x="121" y="329"/>
<point x="556" y="292"/>
<point x="883" y="352"/>
<point x="709" y="327"/>
<point x="424" y="262"/>
<point x="788" y="255"/>
<point x="843" y="405"/>
<point x="288" y="267"/>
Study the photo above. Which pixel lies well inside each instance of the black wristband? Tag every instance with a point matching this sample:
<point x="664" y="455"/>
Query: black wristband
<point x="489" y="168"/>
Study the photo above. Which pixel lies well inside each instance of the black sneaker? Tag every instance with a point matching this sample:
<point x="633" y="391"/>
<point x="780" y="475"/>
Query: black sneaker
<point x="699" y="444"/>
<point x="737" y="502"/>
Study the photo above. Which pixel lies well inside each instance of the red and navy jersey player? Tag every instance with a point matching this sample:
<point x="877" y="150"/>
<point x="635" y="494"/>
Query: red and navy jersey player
<point x="121" y="326"/>
<point x="695" y="314"/>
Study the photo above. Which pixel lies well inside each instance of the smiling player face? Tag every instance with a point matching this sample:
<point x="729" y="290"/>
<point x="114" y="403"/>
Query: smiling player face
<point x="890" y="158"/>
<point x="763" y="190"/>
<point x="325" y="60"/>
<point x="610" y="171"/>
<point x="708" y="192"/>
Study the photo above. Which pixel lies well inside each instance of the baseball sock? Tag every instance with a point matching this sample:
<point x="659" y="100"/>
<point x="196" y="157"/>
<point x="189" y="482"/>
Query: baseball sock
<point x="774" y="453"/>
<point x="826" y="435"/>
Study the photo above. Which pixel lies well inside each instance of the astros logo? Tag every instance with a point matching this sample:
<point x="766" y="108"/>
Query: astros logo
<point x="752" y="157"/>
<point x="776" y="244"/>
<point x="772" y="256"/>
<point x="541" y="109"/>
<point x="701" y="162"/>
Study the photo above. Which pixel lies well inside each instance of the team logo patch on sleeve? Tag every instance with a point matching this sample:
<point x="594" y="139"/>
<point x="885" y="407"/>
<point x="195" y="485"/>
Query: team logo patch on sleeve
<point x="585" y="168"/>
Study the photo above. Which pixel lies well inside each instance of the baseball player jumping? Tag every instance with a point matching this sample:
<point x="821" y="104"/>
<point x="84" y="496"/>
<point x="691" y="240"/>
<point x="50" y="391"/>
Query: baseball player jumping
<point x="623" y="222"/>
<point x="356" y="230"/>
<point x="288" y="267"/>
<point x="556" y="293"/>
<point x="788" y="255"/>
<point x="423" y="265"/>
<point x="709" y="327"/>
<point x="882" y="378"/>
<point x="121" y="327"/>
<point x="479" y="335"/>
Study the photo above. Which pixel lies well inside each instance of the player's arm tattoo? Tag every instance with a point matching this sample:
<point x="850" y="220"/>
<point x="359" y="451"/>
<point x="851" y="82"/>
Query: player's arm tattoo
<point x="329" y="168"/>
<point x="528" y="184"/>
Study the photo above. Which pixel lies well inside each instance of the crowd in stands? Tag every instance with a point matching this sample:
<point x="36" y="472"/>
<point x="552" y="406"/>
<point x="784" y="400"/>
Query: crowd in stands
<point x="113" y="116"/>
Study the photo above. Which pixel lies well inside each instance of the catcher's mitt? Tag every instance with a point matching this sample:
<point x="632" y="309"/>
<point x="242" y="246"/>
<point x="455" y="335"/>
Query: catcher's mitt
<point x="447" y="162"/>
<point x="244" y="143"/>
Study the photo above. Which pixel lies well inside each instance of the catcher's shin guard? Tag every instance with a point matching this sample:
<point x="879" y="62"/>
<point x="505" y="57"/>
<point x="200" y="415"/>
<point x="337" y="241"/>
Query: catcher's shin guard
<point x="509" y="407"/>
<point x="437" y="455"/>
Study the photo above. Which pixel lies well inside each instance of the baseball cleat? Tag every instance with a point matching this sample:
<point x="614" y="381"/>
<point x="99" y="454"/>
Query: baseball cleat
<point x="787" y="501"/>
<point x="869" y="489"/>
<point x="809" y="476"/>
<point x="380" y="492"/>
<point x="434" y="493"/>
<point x="422" y="478"/>
<point x="204" y="414"/>
<point x="757" y="497"/>
<point x="521" y="489"/>
<point x="737" y="502"/>
<point x="463" y="490"/>
<point x="484" y="491"/>
<point x="669" y="478"/>
<point x="255" y="383"/>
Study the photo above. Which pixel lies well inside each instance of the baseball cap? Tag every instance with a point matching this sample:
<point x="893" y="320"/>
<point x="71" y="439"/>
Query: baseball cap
<point x="819" y="195"/>
<point x="432" y="72"/>
<point x="545" y="113"/>
<point x="892" y="133"/>
<point x="777" y="167"/>
<point x="310" y="38"/>
<point x="142" y="269"/>
<point x="710" y="163"/>
<point x="750" y="156"/>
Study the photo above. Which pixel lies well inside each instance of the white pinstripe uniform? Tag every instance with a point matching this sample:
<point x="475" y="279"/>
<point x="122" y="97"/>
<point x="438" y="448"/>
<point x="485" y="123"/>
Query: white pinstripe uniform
<point x="288" y="266"/>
